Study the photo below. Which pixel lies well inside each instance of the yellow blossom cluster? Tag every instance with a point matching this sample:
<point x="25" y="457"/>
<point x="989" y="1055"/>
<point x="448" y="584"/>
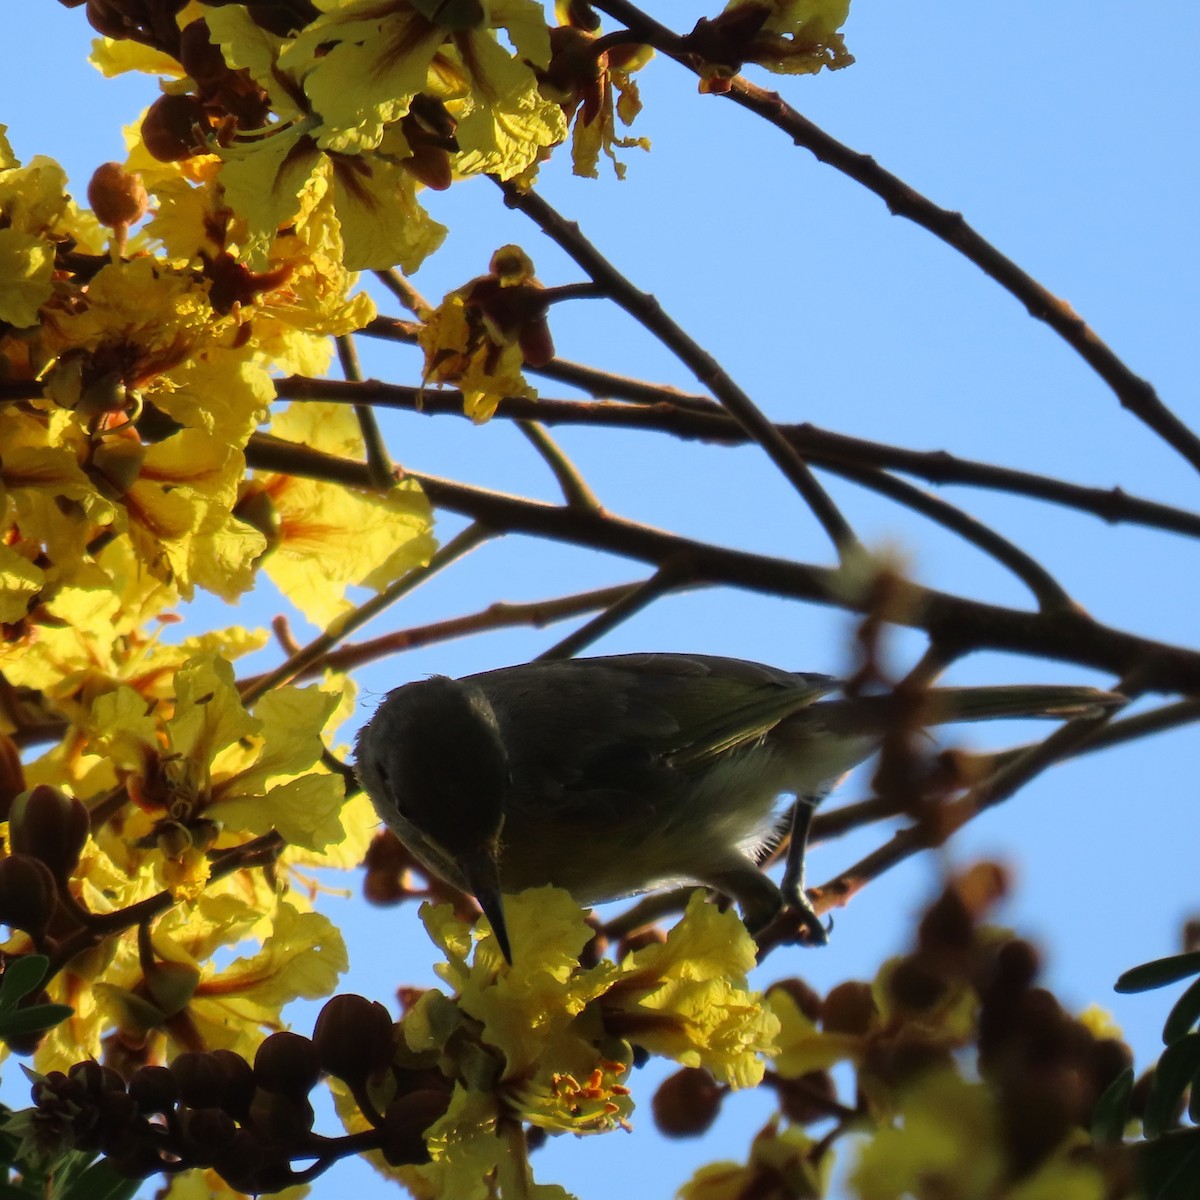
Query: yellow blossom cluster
<point x="550" y="1041"/>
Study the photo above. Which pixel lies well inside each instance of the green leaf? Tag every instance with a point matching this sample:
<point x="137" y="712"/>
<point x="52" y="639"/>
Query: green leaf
<point x="1111" y="1114"/>
<point x="1179" y="1063"/>
<point x="1184" y="1015"/>
<point x="10" y="1191"/>
<point x="1170" y="1166"/>
<point x="33" y="1020"/>
<point x="21" y="976"/>
<point x="99" y="1182"/>
<point x="1159" y="973"/>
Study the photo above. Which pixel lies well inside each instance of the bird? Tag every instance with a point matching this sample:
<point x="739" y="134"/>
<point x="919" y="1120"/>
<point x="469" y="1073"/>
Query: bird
<point x="616" y="775"/>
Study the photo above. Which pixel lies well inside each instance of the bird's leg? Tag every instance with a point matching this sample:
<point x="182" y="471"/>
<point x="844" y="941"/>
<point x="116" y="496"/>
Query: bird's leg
<point x="794" y="893"/>
<point x="757" y="896"/>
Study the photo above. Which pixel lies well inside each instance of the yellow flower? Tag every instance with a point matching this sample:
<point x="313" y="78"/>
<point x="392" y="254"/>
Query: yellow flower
<point x="329" y="537"/>
<point x="688" y="999"/>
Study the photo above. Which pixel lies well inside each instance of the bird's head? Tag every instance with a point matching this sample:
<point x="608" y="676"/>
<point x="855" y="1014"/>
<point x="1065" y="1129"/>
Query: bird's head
<point x="433" y="761"/>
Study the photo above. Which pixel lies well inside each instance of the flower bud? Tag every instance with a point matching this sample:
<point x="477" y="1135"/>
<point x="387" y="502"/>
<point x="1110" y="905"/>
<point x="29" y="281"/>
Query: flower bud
<point x="913" y="987"/>
<point x="237" y="1082"/>
<point x="200" y="1078"/>
<point x="216" y="1079"/>
<point x="405" y="1122"/>
<point x="353" y="1037"/>
<point x="687" y="1103"/>
<point x="287" y="1063"/>
<point x="281" y="1117"/>
<point x="154" y="1089"/>
<point x="28" y="894"/>
<point x="849" y="1008"/>
<point x="174" y="128"/>
<point x="117" y="196"/>
<point x="206" y="1131"/>
<point x="807" y="1098"/>
<point x="50" y="826"/>
<point x="201" y="59"/>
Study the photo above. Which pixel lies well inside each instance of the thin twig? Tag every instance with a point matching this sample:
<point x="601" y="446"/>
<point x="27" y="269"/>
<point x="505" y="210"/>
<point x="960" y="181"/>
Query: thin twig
<point x="404" y="291"/>
<point x="647" y="311"/>
<point x="1062" y="636"/>
<point x="1134" y="393"/>
<point x="1047" y="591"/>
<point x="666" y="579"/>
<point x="574" y="487"/>
<point x="588" y="379"/>
<point x="502" y="615"/>
<point x="659" y="410"/>
<point x="258" y="852"/>
<point x="343" y="626"/>
<point x="379" y="463"/>
<point x="1002" y="783"/>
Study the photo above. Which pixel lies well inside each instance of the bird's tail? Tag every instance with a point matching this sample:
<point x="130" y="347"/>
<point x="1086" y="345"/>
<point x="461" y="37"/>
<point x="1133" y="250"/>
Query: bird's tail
<point x="942" y="706"/>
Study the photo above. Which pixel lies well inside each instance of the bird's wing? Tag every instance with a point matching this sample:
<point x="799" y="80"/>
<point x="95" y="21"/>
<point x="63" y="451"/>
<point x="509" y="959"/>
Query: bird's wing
<point x="635" y="724"/>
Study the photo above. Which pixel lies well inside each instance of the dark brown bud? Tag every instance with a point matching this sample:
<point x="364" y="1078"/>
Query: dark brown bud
<point x="28" y="895"/>
<point x="535" y="341"/>
<point x="237" y="1082"/>
<point x="913" y="987"/>
<point x="1037" y="1112"/>
<point x="687" y="1103"/>
<point x="405" y="1122"/>
<point x="117" y="196"/>
<point x="135" y="1161"/>
<point x="288" y="1063"/>
<point x="353" y="1037"/>
<point x="849" y="1008"/>
<point x="807" y="1098"/>
<point x="947" y="930"/>
<point x="154" y="1089"/>
<point x="897" y="1060"/>
<point x="96" y="1079"/>
<point x="174" y="128"/>
<point x="1016" y="967"/>
<point x="200" y="57"/>
<point x="206" y="1131"/>
<point x="241" y="1159"/>
<point x="282" y="1117"/>
<point x="201" y="1079"/>
<point x="51" y="826"/>
<point x="118" y="1121"/>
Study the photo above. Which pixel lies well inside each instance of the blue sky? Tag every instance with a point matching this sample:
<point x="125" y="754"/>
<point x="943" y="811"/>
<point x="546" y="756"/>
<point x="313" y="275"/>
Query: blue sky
<point x="1065" y="134"/>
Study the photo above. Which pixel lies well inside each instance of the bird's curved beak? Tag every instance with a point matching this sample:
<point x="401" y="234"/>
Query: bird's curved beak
<point x="483" y="878"/>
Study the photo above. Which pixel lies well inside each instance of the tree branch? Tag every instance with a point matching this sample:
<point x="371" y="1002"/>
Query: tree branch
<point x="704" y="421"/>
<point x="647" y="311"/>
<point x="954" y="621"/>
<point x="1134" y="393"/>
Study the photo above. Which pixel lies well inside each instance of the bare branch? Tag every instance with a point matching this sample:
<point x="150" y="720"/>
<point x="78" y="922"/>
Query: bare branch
<point x="649" y="313"/>
<point x="1134" y="393"/>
